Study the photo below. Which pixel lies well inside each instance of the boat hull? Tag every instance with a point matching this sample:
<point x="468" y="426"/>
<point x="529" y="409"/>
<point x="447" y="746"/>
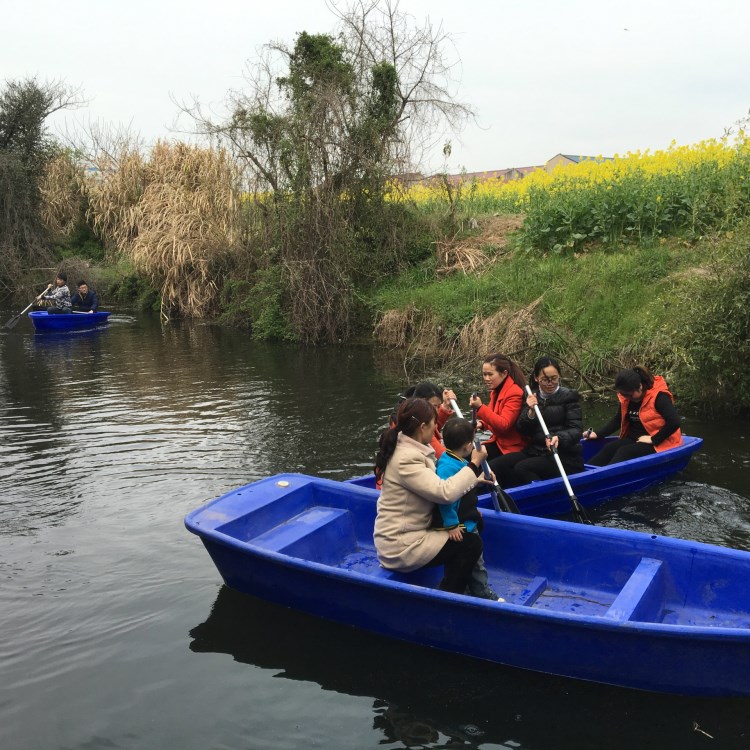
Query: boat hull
<point x="595" y="485"/>
<point x="44" y="321"/>
<point x="591" y="603"/>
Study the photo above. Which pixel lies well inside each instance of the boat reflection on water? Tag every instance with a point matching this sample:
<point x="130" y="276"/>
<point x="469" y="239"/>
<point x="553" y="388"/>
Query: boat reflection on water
<point x="428" y="698"/>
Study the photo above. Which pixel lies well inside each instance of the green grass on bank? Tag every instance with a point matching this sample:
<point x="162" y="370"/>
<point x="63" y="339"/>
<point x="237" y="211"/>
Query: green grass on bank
<point x="680" y="307"/>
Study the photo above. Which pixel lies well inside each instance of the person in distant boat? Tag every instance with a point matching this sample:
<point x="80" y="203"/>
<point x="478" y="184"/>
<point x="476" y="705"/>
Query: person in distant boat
<point x="403" y="537"/>
<point x="505" y="382"/>
<point x="85" y="299"/>
<point x="647" y="419"/>
<point x="463" y="516"/>
<point x="59" y="294"/>
<point x="561" y="410"/>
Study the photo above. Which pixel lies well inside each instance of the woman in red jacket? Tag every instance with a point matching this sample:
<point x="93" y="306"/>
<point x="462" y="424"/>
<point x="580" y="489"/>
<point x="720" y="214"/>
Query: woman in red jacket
<point x="505" y="382"/>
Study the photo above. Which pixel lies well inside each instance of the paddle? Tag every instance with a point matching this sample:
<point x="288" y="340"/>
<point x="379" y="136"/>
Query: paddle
<point x="14" y="321"/>
<point x="578" y="510"/>
<point x="501" y="500"/>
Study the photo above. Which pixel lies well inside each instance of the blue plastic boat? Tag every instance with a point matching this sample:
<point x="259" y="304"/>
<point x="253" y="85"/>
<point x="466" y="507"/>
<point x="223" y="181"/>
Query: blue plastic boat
<point x="75" y="321"/>
<point x="600" y="604"/>
<point x="595" y="485"/>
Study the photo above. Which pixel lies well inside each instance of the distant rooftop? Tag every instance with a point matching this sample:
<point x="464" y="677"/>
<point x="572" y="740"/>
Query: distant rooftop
<point x="577" y="158"/>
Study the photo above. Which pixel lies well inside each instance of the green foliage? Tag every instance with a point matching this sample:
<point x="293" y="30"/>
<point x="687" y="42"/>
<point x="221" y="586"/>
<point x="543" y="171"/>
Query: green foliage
<point x="638" y="206"/>
<point x="257" y="304"/>
<point x="317" y="62"/>
<point x="597" y="308"/>
<point x="80" y="243"/>
<point x="24" y="107"/>
<point x="124" y="287"/>
<point x="711" y="339"/>
<point x="25" y="147"/>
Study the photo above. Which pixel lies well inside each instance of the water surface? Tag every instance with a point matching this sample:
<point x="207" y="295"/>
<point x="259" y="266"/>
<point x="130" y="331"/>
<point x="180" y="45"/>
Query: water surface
<point x="118" y="632"/>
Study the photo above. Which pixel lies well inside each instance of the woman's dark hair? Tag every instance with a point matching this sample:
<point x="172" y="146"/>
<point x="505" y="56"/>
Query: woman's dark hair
<point x="502" y="364"/>
<point x="631" y="380"/>
<point x="424" y="390"/>
<point x="411" y="414"/>
<point x="62" y="275"/>
<point x="457" y="432"/>
<point x="539" y="365"/>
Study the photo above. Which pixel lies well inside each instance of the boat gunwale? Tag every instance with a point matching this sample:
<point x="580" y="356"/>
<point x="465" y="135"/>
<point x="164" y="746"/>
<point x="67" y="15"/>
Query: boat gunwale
<point x="589" y="621"/>
<point x="578" y="479"/>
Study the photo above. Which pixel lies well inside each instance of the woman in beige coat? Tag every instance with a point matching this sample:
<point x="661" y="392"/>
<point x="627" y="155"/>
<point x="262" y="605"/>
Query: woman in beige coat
<point x="406" y="463"/>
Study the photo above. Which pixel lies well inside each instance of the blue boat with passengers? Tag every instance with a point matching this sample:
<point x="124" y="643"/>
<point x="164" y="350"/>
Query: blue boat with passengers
<point x="73" y="321"/>
<point x="606" y="605"/>
<point x="596" y="484"/>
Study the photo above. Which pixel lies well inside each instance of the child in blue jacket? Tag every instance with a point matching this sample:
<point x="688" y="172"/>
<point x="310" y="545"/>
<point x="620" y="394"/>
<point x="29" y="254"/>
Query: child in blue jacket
<point x="463" y="516"/>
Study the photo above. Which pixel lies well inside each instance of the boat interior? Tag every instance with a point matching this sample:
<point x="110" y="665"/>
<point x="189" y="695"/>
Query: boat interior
<point x="556" y="566"/>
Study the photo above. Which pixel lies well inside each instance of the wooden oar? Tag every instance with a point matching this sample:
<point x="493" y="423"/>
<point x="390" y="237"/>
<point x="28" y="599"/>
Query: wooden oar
<point x="578" y="511"/>
<point x="501" y="500"/>
<point x="13" y="321"/>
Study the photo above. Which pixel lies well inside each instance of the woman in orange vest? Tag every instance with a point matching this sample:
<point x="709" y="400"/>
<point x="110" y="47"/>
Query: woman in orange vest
<point x="505" y="382"/>
<point x="647" y="419"/>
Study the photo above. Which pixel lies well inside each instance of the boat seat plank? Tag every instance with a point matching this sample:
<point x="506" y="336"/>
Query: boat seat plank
<point x="529" y="595"/>
<point x="634" y="592"/>
<point x="312" y="520"/>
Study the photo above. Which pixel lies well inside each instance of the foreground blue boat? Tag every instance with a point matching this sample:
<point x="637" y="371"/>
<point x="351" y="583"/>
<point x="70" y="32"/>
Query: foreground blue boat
<point x="595" y="485"/>
<point x="75" y="321"/>
<point x="599" y="604"/>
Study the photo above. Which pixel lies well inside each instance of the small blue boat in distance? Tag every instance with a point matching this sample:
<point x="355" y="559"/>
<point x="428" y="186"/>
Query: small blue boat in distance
<point x="599" y="604"/>
<point x="596" y="484"/>
<point x="75" y="321"/>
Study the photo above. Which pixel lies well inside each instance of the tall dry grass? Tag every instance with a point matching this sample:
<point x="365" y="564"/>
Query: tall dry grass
<point x="114" y="192"/>
<point x="62" y="187"/>
<point x="176" y="215"/>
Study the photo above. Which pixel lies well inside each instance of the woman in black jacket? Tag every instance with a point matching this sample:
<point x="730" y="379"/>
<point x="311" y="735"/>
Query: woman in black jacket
<point x="561" y="409"/>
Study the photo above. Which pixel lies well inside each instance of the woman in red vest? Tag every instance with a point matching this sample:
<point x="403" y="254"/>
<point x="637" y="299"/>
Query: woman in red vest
<point x="647" y="419"/>
<point x="505" y="382"/>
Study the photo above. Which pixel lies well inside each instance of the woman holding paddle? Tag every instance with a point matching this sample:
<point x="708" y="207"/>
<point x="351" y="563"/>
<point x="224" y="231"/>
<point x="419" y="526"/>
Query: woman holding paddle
<point x="647" y="419"/>
<point x="440" y="399"/>
<point x="59" y="294"/>
<point x="404" y="539"/>
<point x="505" y="382"/>
<point x="561" y="410"/>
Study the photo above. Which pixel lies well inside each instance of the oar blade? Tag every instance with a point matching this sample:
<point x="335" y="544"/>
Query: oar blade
<point x="509" y="501"/>
<point x="579" y="511"/>
<point x="13" y="322"/>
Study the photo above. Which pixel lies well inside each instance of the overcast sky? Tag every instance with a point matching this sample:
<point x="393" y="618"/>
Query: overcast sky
<point x="545" y="76"/>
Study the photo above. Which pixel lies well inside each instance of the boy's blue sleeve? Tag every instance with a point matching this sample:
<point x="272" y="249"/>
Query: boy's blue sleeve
<point x="449" y="514"/>
<point x="446" y="469"/>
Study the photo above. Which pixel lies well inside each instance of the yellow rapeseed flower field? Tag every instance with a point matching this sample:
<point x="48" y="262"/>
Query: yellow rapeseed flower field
<point x="641" y="194"/>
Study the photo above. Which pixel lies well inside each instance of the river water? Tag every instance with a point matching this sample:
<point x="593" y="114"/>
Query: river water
<point x="117" y="631"/>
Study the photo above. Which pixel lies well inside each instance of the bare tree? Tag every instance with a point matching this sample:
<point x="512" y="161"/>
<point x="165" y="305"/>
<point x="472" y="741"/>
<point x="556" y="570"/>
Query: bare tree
<point x="426" y="64"/>
<point x="374" y="37"/>
<point x="321" y="127"/>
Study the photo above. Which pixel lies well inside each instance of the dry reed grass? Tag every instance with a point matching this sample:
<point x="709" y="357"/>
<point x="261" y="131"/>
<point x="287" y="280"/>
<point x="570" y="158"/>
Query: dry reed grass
<point x="188" y="224"/>
<point x="395" y="327"/>
<point x="175" y="214"/>
<point x="418" y="335"/>
<point x="113" y="195"/>
<point x="467" y="255"/>
<point x="62" y="190"/>
<point x="504" y="331"/>
<point x="462" y="257"/>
